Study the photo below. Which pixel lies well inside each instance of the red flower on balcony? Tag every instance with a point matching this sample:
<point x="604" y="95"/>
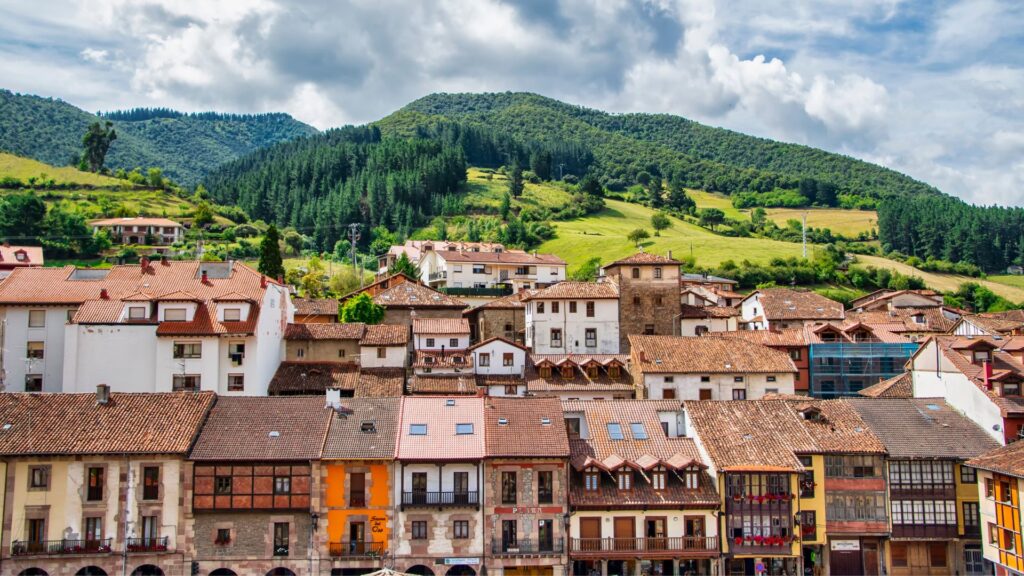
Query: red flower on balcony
<point x="738" y="540"/>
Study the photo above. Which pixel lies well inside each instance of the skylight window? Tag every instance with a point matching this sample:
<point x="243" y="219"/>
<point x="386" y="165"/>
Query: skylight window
<point x="464" y="429"/>
<point x="417" y="429"/>
<point x="615" y="431"/>
<point x="639" y="433"/>
<point x="545" y="421"/>
<point x="368" y="427"/>
<point x="502" y="421"/>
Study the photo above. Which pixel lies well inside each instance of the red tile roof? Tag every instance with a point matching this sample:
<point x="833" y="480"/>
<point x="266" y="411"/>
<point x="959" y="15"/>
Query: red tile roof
<point x="510" y="302"/>
<point x="76" y="424"/>
<point x="413" y="295"/>
<point x="791" y="337"/>
<point x="380" y="382"/>
<point x="385" y="335"/>
<point x="691" y="311"/>
<point x="506" y="257"/>
<point x="706" y="354"/>
<point x="510" y="421"/>
<point x="577" y="290"/>
<point x="789" y="304"/>
<point x="1003" y="364"/>
<point x="443" y="384"/>
<point x="498" y="339"/>
<point x="440" y="415"/>
<point x="901" y="386"/>
<point x="315" y="306"/>
<point x="331" y="331"/>
<point x="643" y="258"/>
<point x="1008" y="459"/>
<point x="307" y="378"/>
<point x="135" y="221"/>
<point x="445" y="359"/>
<point x="580" y="382"/>
<point x="31" y="255"/>
<point x="440" y="326"/>
<point x="923" y="428"/>
<point x="264" y="428"/>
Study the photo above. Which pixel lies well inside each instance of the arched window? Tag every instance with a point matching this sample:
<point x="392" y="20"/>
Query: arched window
<point x="148" y="570"/>
<point x="91" y="571"/>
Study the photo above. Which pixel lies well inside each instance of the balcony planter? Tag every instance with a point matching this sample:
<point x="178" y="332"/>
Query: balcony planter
<point x="738" y="540"/>
<point x="737" y="497"/>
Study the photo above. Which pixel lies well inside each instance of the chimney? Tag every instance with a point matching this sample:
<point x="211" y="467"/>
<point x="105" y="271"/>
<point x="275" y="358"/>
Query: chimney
<point x="205" y="278"/>
<point x="669" y="254"/>
<point x="143" y="263"/>
<point x="104" y="295"/>
<point x="280" y="279"/>
<point x="164" y="260"/>
<point x="986" y="368"/>
<point x="643" y="356"/>
<point x="263" y="281"/>
<point x="102" y="394"/>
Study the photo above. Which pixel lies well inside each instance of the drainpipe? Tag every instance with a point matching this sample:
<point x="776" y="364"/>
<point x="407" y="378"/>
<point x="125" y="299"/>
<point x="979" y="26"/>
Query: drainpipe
<point x="127" y="506"/>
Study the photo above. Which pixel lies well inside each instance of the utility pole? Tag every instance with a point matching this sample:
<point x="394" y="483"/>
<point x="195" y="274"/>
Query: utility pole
<point x="560" y="165"/>
<point x="805" y="235"/>
<point x="353" y="236"/>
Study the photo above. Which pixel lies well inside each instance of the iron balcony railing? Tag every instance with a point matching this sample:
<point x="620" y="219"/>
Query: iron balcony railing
<point x="147" y="544"/>
<point x="496" y="290"/>
<point x="60" y="547"/>
<point x="437" y="276"/>
<point x="355" y="549"/>
<point x="527" y="546"/>
<point x="468" y="498"/>
<point x="642" y="546"/>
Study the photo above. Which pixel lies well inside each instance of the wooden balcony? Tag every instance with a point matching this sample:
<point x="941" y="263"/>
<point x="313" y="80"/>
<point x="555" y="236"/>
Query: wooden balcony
<point x="926" y="531"/>
<point x="469" y="499"/>
<point x="357" y="549"/>
<point x="60" y="547"/>
<point x="678" y="547"/>
<point x="527" y="547"/>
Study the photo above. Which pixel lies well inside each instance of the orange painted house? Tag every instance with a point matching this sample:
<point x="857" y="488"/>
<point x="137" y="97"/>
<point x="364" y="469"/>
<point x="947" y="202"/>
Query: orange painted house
<point x="356" y="484"/>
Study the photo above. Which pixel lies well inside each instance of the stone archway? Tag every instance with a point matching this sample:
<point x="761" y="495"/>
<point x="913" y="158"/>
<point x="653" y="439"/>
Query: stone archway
<point x="420" y="570"/>
<point x="460" y="570"/>
<point x="91" y="571"/>
<point x="148" y="570"/>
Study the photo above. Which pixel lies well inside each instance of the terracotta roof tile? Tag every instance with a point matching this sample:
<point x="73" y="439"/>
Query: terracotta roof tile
<point x="998" y="322"/>
<point x="706" y="354"/>
<point x="691" y="311"/>
<point x="248" y="428"/>
<point x="446" y="359"/>
<point x="704" y="279"/>
<point x="577" y="290"/>
<point x="556" y="384"/>
<point x="350" y="438"/>
<point x="75" y="424"/>
<point x="922" y="428"/>
<point x="331" y="331"/>
<point x="306" y="378"/>
<point x="440" y="326"/>
<point x="505" y="257"/>
<point x="443" y="384"/>
<point x="643" y="258"/>
<point x="1008" y="459"/>
<point x="315" y="306"/>
<point x="901" y="386"/>
<point x="440" y="415"/>
<point x="791" y="337"/>
<point x="413" y="295"/>
<point x="789" y="304"/>
<point x="510" y="421"/>
<point x="135" y="221"/>
<point x="30" y="255"/>
<point x="1002" y="362"/>
<point x="380" y="382"/>
<point x="510" y="302"/>
<point x="385" y="335"/>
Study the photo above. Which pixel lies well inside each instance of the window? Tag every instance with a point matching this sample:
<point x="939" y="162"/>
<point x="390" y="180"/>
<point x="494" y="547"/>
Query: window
<point x="771" y="378"/>
<point x="857" y="507"/>
<point x="649" y="329"/>
<point x="453" y="342"/>
<point x="794" y="354"/>
<point x="511" y="390"/>
<point x="572" y="427"/>
<point x="300" y="353"/>
<point x="382" y="352"/>
<point x="625" y="479"/>
<point x="555" y="307"/>
<point x="223" y="537"/>
<point x="282" y="485"/>
<point x="36" y="318"/>
<point x="540" y="307"/>
<point x="692" y="478"/>
<point x="236" y="382"/>
<point x="357" y="489"/>
<point x="222" y="485"/>
<point x="185" y="382"/>
<point x="615" y="431"/>
<point x="150" y="528"/>
<point x="464" y="428"/>
<point x="35" y="350"/>
<point x="70" y="315"/>
<point x="739" y="394"/>
<point x="657" y="300"/>
<point x="280" y="538"/>
<point x="36" y="532"/>
<point x="188" y="350"/>
<point x="591" y="479"/>
<point x="39" y="477"/>
<point x="972" y="518"/>
<point x="94" y="485"/>
<point x="33" y="382"/>
<point x="638" y="431"/>
<point x="174" y="314"/>
<point x="136" y="312"/>
<point x="419" y="530"/>
<point x="768" y="391"/>
<point x="479" y="269"/>
<point x="590" y="309"/>
<point x="870" y="467"/>
<point x="636" y="273"/>
<point x="508" y="487"/>
<point x="483" y="359"/>
<point x="968" y="475"/>
<point x="636" y="300"/>
<point x="545" y="371"/>
<point x="151" y="483"/>
<point x="417" y="429"/>
<point x="545" y="487"/>
<point x="460" y="529"/>
<point x="232" y="314"/>
<point x="937" y="554"/>
<point x="430" y="343"/>
<point x="556" y="337"/>
<point x="614" y="371"/>
<point x="657" y="273"/>
<point x="924" y="512"/>
<point x="590" y="338"/>
<point x="737" y="379"/>
<point x="93" y="529"/>
<point x="990" y="492"/>
<point x="705" y="394"/>
<point x="572" y="307"/>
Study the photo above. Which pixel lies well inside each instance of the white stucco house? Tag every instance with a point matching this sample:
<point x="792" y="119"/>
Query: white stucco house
<point x="573" y="318"/>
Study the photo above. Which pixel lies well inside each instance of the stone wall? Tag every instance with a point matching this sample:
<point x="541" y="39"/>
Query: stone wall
<point x="644" y="303"/>
<point x="492" y="323"/>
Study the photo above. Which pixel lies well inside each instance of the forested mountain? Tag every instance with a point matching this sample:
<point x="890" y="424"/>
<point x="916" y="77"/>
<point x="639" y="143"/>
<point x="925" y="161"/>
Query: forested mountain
<point x="185" y="146"/>
<point x="675" y="148"/>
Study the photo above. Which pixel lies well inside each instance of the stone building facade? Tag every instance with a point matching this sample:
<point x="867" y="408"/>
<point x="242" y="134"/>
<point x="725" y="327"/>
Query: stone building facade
<point x="648" y="295"/>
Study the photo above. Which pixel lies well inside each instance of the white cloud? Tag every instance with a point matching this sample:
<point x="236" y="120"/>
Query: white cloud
<point x="95" y="55"/>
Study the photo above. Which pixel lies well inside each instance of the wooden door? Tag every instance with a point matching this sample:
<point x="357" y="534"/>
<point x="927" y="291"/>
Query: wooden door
<point x="870" y="558"/>
<point x="590" y="534"/>
<point x="705" y="394"/>
<point x="655" y="533"/>
<point x="695" y="526"/>
<point x="625" y="533"/>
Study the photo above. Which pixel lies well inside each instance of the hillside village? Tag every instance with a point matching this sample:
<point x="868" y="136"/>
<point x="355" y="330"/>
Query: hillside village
<point x="188" y="417"/>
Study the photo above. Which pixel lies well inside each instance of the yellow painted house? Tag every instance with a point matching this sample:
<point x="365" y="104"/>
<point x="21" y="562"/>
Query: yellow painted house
<point x="1000" y="482"/>
<point x="356" y="483"/>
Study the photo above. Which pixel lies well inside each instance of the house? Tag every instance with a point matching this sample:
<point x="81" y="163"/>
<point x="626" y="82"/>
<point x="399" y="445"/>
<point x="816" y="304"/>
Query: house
<point x="409" y="300"/>
<point x="12" y="257"/>
<point x="573" y="318"/>
<point x="503" y="317"/>
<point x="781" y="308"/>
<point x="1001" y="483"/>
<point x="497" y="273"/>
<point x="700" y="320"/>
<point x="385" y="346"/>
<point x="357" y="486"/>
<point x="315" y="310"/>
<point x="847" y="357"/>
<point x="641" y="498"/>
<point x="499" y="357"/>
<point x="336" y="342"/>
<point x="648" y="287"/>
<point x="141" y="230"/>
<point x="381" y="284"/>
<point x="927" y="443"/>
<point x="166" y="325"/>
<point x="1008" y="323"/>
<point x="886" y="299"/>
<point x="978" y="376"/>
<point x="439" y="466"/>
<point x="440" y="334"/>
<point x="708" y="281"/>
<point x="708" y="368"/>
<point x="802" y="484"/>
<point x="346" y="379"/>
<point x="792" y="341"/>
<point x="900" y="386"/>
<point x="1015" y="270"/>
<point x="579" y="376"/>
<point x="252" y="497"/>
<point x="526" y="493"/>
<point x="913" y="324"/>
<point x="415" y="249"/>
<point x="94" y="481"/>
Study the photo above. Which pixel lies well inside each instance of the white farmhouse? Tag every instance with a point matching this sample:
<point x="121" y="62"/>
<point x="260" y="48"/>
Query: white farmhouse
<point x="488" y="270"/>
<point x="781" y="308"/>
<point x="574" y="318"/>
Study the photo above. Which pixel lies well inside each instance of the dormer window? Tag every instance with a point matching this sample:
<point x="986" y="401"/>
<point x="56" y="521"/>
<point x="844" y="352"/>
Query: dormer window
<point x="658" y="478"/>
<point x="625" y="479"/>
<point x="21" y="256"/>
<point x="545" y="371"/>
<point x="829" y="337"/>
<point x="567" y="371"/>
<point x="918" y="318"/>
<point x="614" y="371"/>
<point x="175" y="314"/>
<point x="981" y="356"/>
<point x="137" y="312"/>
<point x="428" y="360"/>
<point x="592" y="371"/>
<point x="232" y="314"/>
<point x="692" y="478"/>
<point x="591" y="479"/>
<point x="1011" y="388"/>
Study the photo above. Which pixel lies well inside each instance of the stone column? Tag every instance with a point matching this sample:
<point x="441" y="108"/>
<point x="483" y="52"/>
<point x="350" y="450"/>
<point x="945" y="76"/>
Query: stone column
<point x="604" y="568"/>
<point x="675" y="566"/>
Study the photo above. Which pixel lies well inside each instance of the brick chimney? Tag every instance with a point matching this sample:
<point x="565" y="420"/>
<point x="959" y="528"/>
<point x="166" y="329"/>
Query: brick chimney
<point x="165" y="261"/>
<point x="104" y="295"/>
<point x="986" y="369"/>
<point x="143" y="263"/>
<point x="205" y="278"/>
<point x="263" y="281"/>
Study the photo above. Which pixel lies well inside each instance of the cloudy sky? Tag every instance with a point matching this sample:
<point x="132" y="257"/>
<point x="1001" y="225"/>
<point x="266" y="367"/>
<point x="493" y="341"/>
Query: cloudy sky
<point x="932" y="88"/>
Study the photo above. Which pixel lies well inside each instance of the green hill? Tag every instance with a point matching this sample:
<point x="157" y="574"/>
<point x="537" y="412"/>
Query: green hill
<point x="185" y="146"/>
